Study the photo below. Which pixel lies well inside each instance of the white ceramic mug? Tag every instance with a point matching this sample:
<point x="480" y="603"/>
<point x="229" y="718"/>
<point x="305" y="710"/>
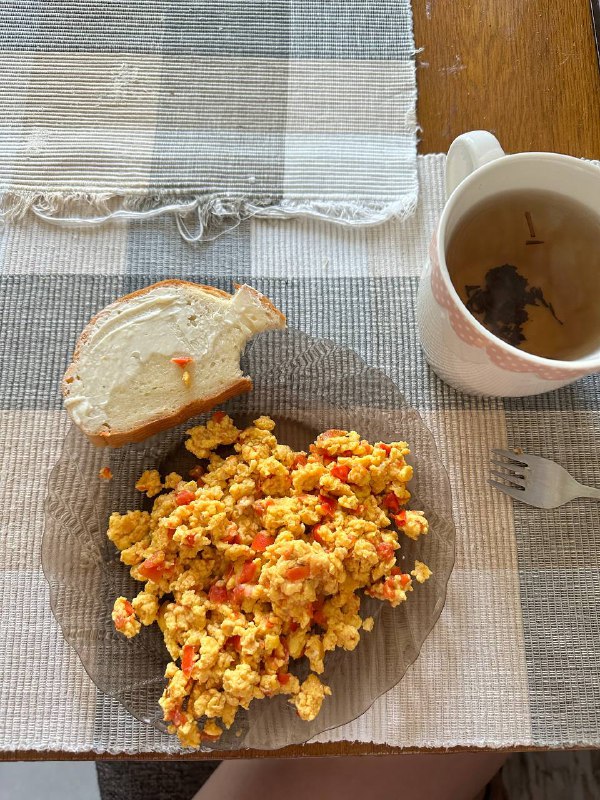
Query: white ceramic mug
<point x="459" y="349"/>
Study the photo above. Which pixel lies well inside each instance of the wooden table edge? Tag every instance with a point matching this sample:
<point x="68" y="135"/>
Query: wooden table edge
<point x="303" y="751"/>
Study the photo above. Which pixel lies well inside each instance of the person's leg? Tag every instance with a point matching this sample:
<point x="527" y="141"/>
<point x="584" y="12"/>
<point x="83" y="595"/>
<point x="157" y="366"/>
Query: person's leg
<point x="455" y="776"/>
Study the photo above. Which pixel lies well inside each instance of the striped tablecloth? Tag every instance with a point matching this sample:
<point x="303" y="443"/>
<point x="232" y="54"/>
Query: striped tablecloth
<point x="515" y="657"/>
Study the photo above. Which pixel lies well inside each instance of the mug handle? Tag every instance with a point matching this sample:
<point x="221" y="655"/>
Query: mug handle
<point x="468" y="152"/>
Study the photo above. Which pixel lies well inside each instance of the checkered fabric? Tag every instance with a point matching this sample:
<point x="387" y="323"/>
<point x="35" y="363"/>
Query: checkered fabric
<point x="275" y="107"/>
<point x="515" y="657"/>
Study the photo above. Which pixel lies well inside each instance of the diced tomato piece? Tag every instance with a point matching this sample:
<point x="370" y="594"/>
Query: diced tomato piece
<point x="347" y="453"/>
<point x="170" y="533"/>
<point x="184" y="497"/>
<point x="294" y="626"/>
<point x="182" y="361"/>
<point x="261" y="541"/>
<point x="327" y="458"/>
<point x="395" y="571"/>
<point x="120" y="622"/>
<point x="176" y="717"/>
<point x="248" y="572"/>
<point x="235" y="642"/>
<point x="218" y="416"/>
<point x="197" y="472"/>
<point x="299" y="461"/>
<point x="404" y="580"/>
<point x="384" y="551"/>
<point x="128" y="607"/>
<point x="341" y="472"/>
<point x="261" y="506"/>
<point x="317" y="613"/>
<point x="239" y="594"/>
<point x="190" y="539"/>
<point x="152" y="568"/>
<point x="217" y="594"/>
<point x="328" y="503"/>
<point x="283" y="677"/>
<point x="317" y="535"/>
<point x="389" y="589"/>
<point x="385" y="447"/>
<point x="391" y="502"/>
<point x="299" y="572"/>
<point x="187" y="659"/>
<point x="232" y="537"/>
<point x="400" y="518"/>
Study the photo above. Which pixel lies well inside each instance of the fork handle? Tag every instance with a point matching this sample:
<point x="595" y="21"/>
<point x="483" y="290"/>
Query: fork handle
<point x="588" y="491"/>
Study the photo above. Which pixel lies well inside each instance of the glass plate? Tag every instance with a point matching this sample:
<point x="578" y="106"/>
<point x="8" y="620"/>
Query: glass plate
<point x="309" y="385"/>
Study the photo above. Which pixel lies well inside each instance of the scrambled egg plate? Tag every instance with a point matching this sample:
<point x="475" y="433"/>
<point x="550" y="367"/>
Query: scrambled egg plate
<point x="258" y="560"/>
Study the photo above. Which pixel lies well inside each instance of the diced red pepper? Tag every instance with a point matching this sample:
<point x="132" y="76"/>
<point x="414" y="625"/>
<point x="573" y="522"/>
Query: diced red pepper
<point x="384" y="551"/>
<point x="395" y="571"/>
<point x="217" y="594"/>
<point x="191" y="539"/>
<point x="283" y="677"/>
<point x="128" y="607"/>
<point x="299" y="572"/>
<point x="248" y="573"/>
<point x="391" y="502"/>
<point x="400" y="518"/>
<point x="317" y="613"/>
<point x="153" y="568"/>
<point x="386" y="447"/>
<point x="184" y="497"/>
<point x="294" y="626"/>
<point x="187" y="659"/>
<point x="176" y="717"/>
<point x="317" y="535"/>
<point x="299" y="461"/>
<point x="170" y="533"/>
<point x="235" y="642"/>
<point x="232" y="537"/>
<point x="341" y="472"/>
<point x="261" y="506"/>
<point x="182" y="361"/>
<point x="197" y="472"/>
<point x="218" y="416"/>
<point x="327" y="458"/>
<point x="404" y="580"/>
<point x="328" y="503"/>
<point x="261" y="541"/>
<point x="240" y="593"/>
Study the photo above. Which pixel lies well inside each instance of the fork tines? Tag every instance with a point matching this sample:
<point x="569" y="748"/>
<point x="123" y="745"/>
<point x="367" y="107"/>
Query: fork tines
<point x="511" y="472"/>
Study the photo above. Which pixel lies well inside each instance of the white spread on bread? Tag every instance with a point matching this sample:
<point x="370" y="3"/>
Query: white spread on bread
<point x="123" y="369"/>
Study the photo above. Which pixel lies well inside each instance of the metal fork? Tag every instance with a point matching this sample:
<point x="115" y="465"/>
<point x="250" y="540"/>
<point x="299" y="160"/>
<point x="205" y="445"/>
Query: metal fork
<point x="536" y="481"/>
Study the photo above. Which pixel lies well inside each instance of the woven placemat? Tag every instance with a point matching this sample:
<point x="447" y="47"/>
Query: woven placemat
<point x="277" y="107"/>
<point x="515" y="657"/>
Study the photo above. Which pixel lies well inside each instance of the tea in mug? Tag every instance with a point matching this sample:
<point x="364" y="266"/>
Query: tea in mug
<point x="527" y="265"/>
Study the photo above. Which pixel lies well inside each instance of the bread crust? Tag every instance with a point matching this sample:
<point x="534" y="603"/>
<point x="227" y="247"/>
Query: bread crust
<point x="119" y="438"/>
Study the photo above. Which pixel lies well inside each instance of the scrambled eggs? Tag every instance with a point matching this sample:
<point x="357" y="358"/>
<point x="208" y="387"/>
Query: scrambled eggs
<point x="258" y="561"/>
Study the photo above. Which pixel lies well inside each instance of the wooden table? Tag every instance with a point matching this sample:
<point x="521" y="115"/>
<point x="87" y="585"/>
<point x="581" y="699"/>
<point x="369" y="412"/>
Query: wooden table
<point x="525" y="70"/>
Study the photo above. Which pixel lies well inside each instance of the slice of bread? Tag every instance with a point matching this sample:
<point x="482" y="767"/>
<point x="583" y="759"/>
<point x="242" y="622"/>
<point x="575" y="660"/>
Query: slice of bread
<point x="123" y="385"/>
